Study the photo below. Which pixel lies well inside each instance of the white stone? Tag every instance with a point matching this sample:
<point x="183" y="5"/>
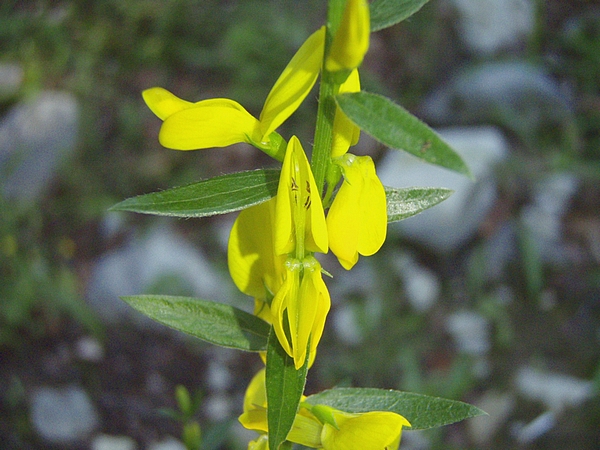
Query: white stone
<point x="470" y="332"/>
<point x="498" y="406"/>
<point x="421" y="285"/>
<point x="449" y="224"/>
<point x="487" y="26"/>
<point x="63" y="415"/>
<point x="543" y="217"/>
<point x="526" y="434"/>
<point x="136" y="267"/>
<point x="169" y="443"/>
<point x="35" y="137"/>
<point x="556" y="391"/>
<point x="107" y="442"/>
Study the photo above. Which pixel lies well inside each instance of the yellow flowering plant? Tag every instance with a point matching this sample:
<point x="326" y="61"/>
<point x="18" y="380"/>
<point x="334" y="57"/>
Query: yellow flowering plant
<point x="289" y="216"/>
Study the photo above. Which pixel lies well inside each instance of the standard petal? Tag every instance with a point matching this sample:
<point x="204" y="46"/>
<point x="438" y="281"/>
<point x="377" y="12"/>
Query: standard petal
<point x="294" y="83"/>
<point x="207" y="124"/>
<point x="163" y="103"/>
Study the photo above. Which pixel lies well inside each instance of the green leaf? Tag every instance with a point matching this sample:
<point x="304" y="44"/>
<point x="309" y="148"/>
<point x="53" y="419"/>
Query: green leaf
<point x="285" y="386"/>
<point x="219" y="195"/>
<point x="395" y="127"/>
<point x="422" y="411"/>
<point x="406" y="202"/>
<point x="385" y="13"/>
<point x="213" y="322"/>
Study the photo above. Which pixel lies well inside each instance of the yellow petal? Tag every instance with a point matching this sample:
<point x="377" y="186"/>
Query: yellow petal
<point x="162" y="103"/>
<point x="323" y="301"/>
<point x="252" y="263"/>
<point x="306" y="431"/>
<point x="256" y="393"/>
<point x="254" y="416"/>
<point x="206" y="124"/>
<point x="260" y="443"/>
<point x="288" y="293"/>
<point x="351" y="41"/>
<point x="294" y="83"/>
<point x="345" y="133"/>
<point x="369" y="431"/>
<point x="373" y="205"/>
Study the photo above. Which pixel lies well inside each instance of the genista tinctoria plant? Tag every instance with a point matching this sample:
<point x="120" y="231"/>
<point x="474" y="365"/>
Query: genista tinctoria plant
<point x="335" y="202"/>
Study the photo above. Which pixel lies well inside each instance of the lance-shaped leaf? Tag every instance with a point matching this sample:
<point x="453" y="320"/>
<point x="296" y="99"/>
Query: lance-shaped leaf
<point x="385" y="13"/>
<point x="395" y="127"/>
<point x="284" y="386"/>
<point x="406" y="202"/>
<point x="218" y="195"/>
<point x="213" y="322"/>
<point x="422" y="411"/>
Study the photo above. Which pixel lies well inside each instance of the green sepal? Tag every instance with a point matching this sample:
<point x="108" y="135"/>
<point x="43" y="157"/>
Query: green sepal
<point x="218" y="195"/>
<point x="421" y="411"/>
<point x="394" y="126"/>
<point x="285" y="386"/>
<point x="213" y="322"/>
<point x="406" y="202"/>
<point x="385" y="13"/>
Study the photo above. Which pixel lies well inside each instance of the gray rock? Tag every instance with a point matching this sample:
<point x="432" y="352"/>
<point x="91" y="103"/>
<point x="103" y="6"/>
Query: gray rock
<point x="488" y="26"/>
<point x="167" y="444"/>
<point x="470" y="331"/>
<point x="544" y="216"/>
<point x="448" y="225"/>
<point x="11" y="79"/>
<point x="62" y="415"/>
<point x="499" y="406"/>
<point x="35" y="137"/>
<point x="517" y="95"/>
<point x="421" y="285"/>
<point x="556" y="391"/>
<point x="159" y="262"/>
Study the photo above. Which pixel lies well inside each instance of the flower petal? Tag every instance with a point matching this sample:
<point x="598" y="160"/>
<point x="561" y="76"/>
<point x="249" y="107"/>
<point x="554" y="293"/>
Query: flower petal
<point x="162" y="103"/>
<point x="206" y="124"/>
<point x="294" y="83"/>
<point x="376" y="430"/>
<point x="253" y="266"/>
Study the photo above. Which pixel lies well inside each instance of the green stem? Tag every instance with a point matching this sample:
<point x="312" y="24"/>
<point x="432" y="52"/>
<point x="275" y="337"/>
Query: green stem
<point x="326" y="112"/>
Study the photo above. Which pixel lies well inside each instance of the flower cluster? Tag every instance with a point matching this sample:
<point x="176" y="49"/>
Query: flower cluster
<point x="321" y="426"/>
<point x="272" y="245"/>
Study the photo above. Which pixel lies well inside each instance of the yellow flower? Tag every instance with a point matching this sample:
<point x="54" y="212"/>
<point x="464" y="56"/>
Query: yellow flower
<point x="305" y="430"/>
<point x="351" y="41"/>
<point x="345" y="133"/>
<point x="375" y="430"/>
<point x="323" y="427"/>
<point x="357" y="219"/>
<point x="299" y="217"/>
<point x="221" y="122"/>
<point x="300" y="308"/>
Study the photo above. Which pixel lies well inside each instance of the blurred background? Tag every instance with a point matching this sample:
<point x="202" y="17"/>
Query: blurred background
<point x="492" y="297"/>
